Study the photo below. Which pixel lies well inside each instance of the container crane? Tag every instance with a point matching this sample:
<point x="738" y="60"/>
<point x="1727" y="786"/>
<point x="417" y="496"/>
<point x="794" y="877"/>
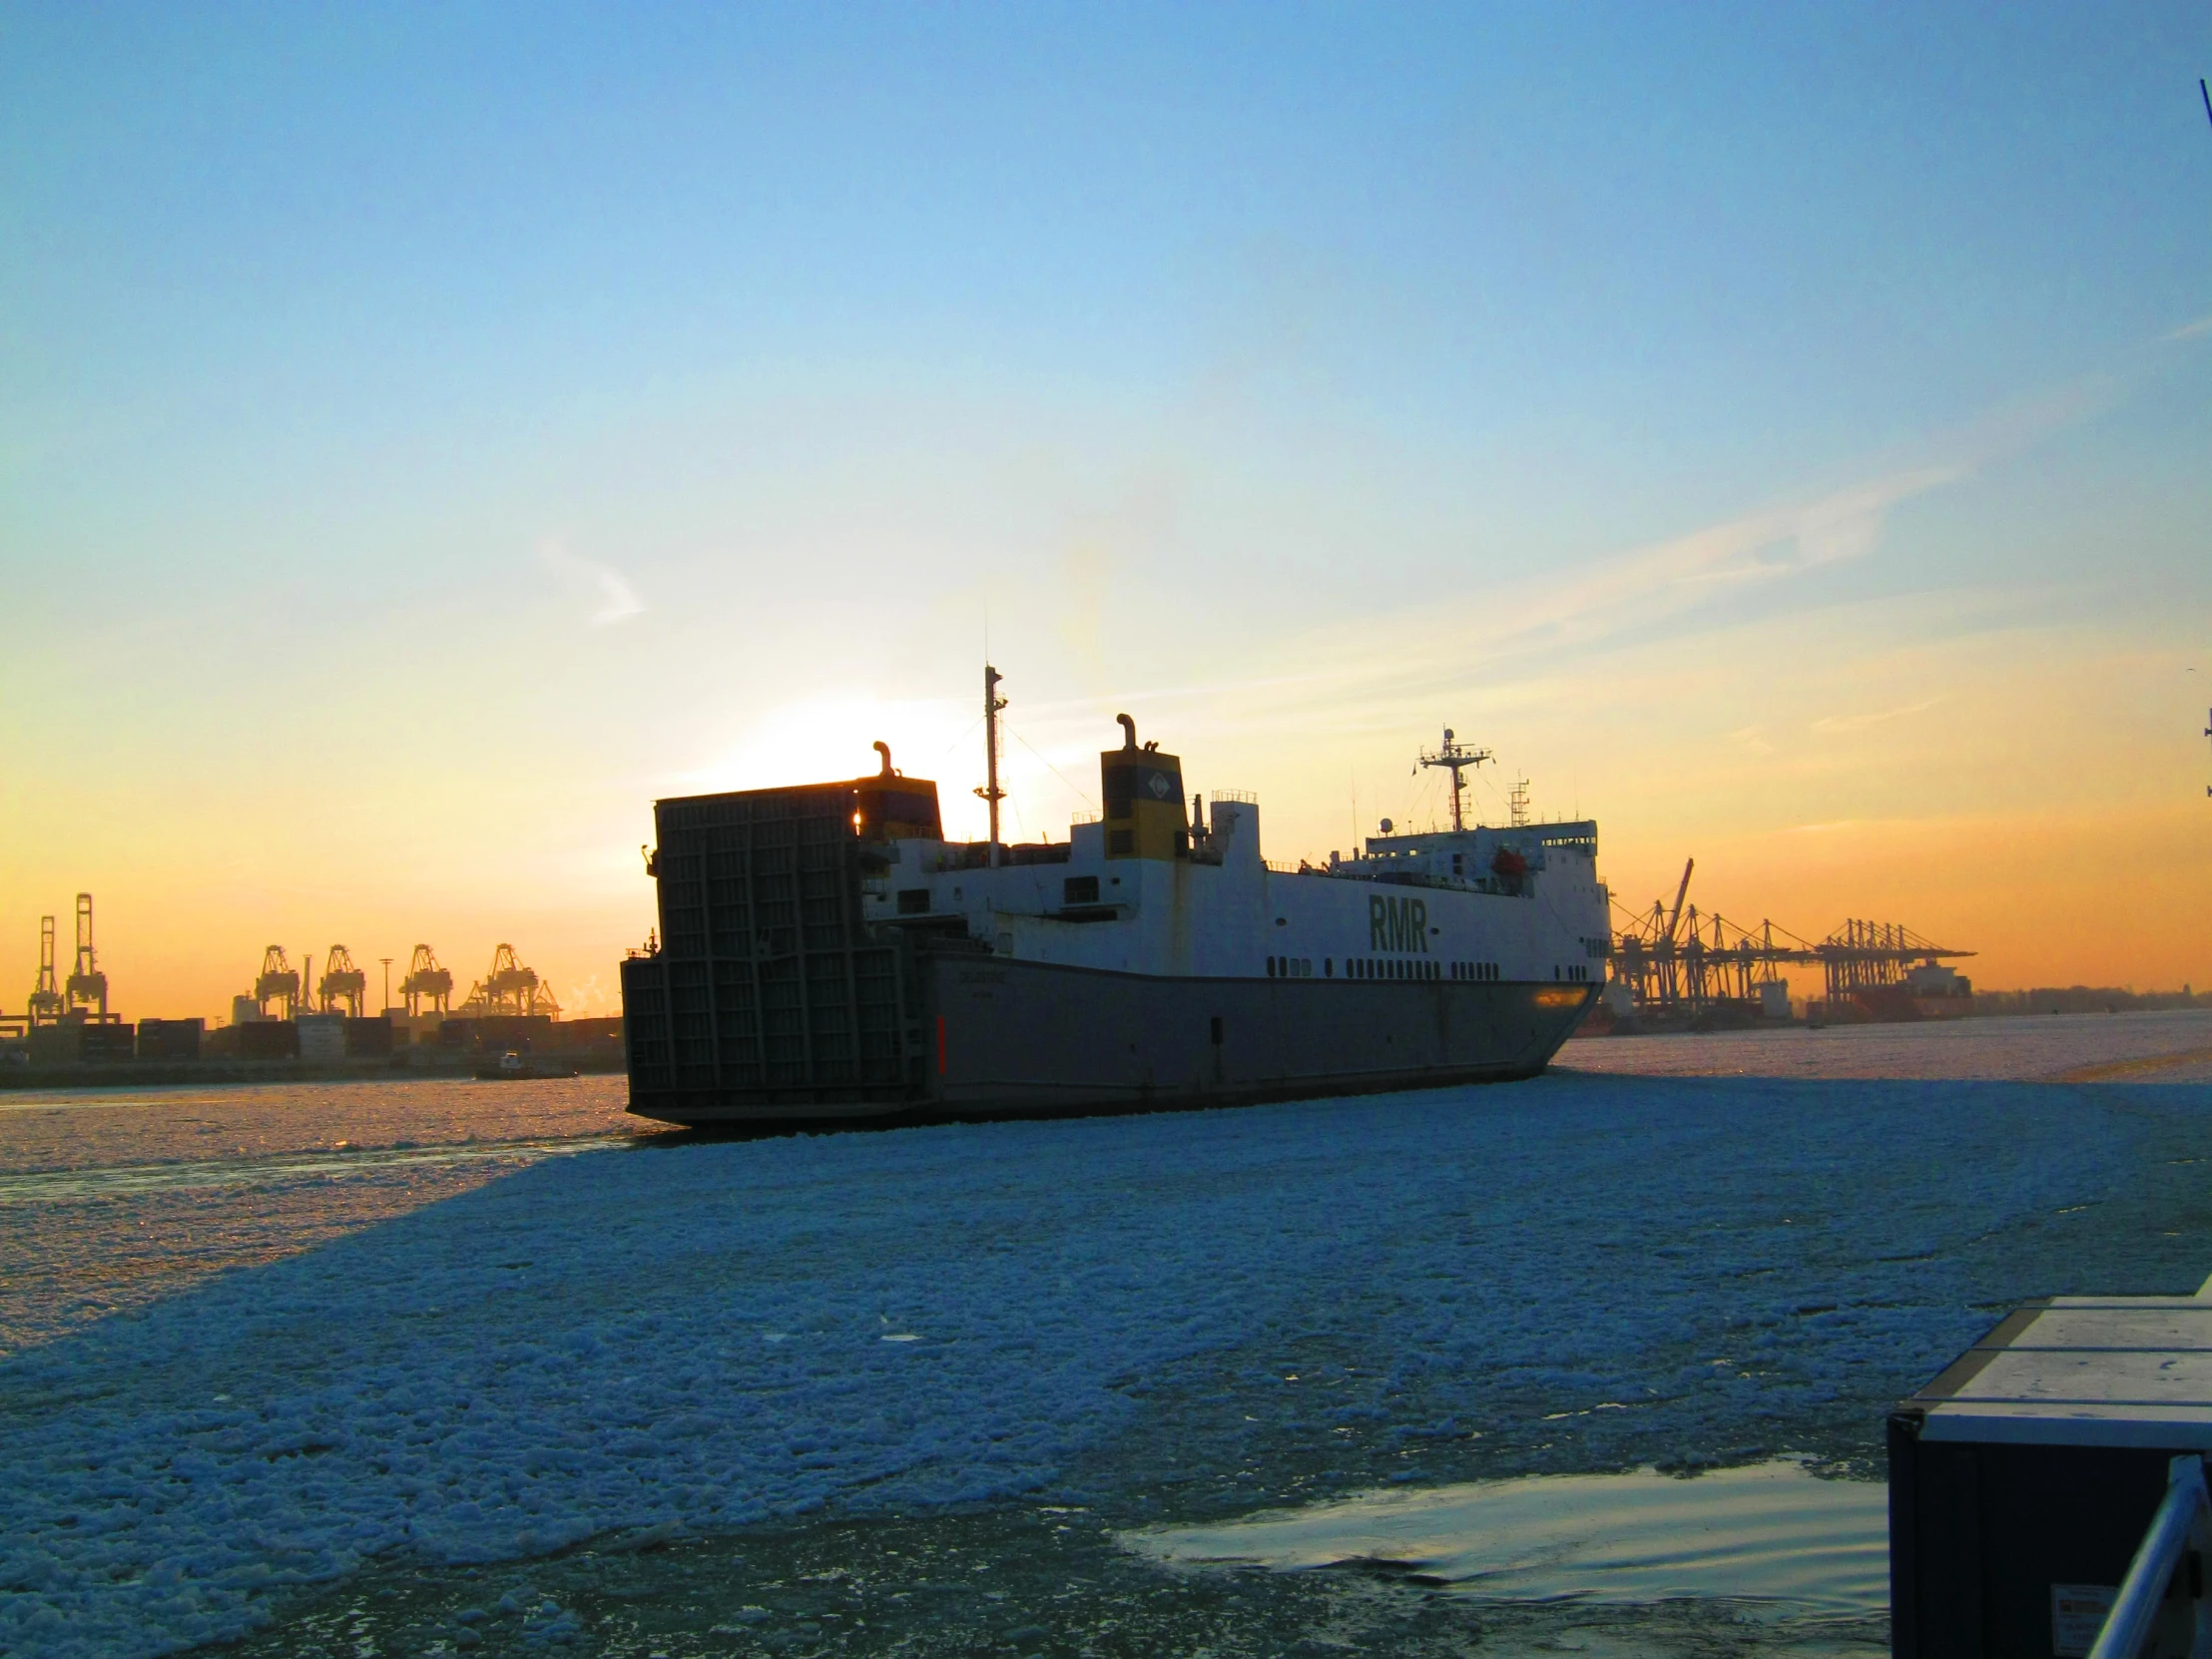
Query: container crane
<point x="510" y="989"/>
<point x="47" y="1005"/>
<point x="278" y="983"/>
<point x="1680" y="965"/>
<point x="426" y="982"/>
<point x="342" y="983"/>
<point x="87" y="990"/>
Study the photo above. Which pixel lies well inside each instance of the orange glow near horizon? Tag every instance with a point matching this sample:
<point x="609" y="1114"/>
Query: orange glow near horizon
<point x="1799" y="816"/>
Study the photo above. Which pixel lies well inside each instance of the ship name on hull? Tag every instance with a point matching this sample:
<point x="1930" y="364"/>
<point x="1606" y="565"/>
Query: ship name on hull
<point x="1398" y="924"/>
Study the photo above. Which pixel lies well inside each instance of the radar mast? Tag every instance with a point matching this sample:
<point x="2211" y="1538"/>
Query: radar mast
<point x="1456" y="756"/>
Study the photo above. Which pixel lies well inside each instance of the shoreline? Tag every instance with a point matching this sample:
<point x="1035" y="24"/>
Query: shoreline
<point x="140" y="1074"/>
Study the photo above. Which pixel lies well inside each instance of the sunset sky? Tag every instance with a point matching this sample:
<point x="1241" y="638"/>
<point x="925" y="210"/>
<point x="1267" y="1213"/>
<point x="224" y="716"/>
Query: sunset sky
<point x="428" y="435"/>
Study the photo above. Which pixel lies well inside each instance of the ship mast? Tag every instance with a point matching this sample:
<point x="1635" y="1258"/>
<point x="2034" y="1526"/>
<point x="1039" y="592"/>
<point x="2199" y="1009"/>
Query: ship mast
<point x="1458" y="757"/>
<point x="990" y="791"/>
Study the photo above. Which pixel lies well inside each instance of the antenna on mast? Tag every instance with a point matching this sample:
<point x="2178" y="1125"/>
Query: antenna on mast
<point x="990" y="791"/>
<point x="1457" y="757"/>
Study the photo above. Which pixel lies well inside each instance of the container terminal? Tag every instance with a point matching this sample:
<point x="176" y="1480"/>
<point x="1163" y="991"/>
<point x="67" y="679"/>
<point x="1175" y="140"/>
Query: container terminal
<point x="295" y="1019"/>
<point x="1671" y="969"/>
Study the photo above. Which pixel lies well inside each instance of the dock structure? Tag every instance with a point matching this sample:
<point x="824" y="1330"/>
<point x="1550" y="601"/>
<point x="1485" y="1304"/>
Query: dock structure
<point x="2047" y="1488"/>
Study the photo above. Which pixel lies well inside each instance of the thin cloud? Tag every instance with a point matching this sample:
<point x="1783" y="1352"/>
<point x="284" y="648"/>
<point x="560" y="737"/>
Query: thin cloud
<point x="1361" y="673"/>
<point x="2192" y="331"/>
<point x="1858" y="723"/>
<point x="605" y="596"/>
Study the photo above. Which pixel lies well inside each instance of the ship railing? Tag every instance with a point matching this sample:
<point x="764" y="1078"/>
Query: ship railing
<point x="2168" y="1575"/>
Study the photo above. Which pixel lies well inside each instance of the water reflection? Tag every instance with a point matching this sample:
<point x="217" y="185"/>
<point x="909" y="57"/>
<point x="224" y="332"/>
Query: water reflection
<point x="1770" y="1532"/>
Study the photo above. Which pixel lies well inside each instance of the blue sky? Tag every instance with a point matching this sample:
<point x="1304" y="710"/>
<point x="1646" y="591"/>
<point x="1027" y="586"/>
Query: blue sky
<point x="428" y="434"/>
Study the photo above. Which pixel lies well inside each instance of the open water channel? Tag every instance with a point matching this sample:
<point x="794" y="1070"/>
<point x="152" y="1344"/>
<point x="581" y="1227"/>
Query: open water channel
<point x="1594" y="1363"/>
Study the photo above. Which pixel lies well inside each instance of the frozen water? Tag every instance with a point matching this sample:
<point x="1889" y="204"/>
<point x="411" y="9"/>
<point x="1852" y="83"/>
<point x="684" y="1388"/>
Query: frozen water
<point x="2167" y="1047"/>
<point x="1767" y="1532"/>
<point x="113" y="1198"/>
<point x="1115" y="1323"/>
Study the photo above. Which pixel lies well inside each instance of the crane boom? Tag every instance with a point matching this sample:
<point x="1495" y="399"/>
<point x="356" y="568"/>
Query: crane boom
<point x="1675" y="920"/>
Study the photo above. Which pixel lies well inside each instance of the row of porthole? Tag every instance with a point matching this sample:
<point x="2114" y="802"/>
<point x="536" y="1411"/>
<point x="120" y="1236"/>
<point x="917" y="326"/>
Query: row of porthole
<point x="1383" y="968"/>
<point x="1581" y="975"/>
<point x="1356" y="967"/>
<point x="1386" y="967"/>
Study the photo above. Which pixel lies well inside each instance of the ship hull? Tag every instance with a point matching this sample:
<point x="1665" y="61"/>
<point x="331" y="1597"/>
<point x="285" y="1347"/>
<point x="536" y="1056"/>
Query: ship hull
<point x="1010" y="1039"/>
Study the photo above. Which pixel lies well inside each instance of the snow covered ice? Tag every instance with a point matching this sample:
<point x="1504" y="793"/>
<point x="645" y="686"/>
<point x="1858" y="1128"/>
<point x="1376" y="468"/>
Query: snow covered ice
<point x="1134" y="1320"/>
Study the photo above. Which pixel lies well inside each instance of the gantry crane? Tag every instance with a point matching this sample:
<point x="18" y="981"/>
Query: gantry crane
<point x="342" y="983"/>
<point x="87" y="990"/>
<point x="425" y="982"/>
<point x="510" y="989"/>
<point x="47" y="1004"/>
<point x="278" y="983"/>
<point x="1679" y="964"/>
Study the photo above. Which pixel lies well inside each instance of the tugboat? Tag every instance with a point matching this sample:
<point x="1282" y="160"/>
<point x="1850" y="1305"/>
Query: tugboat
<point x="515" y="1066"/>
<point x="825" y="953"/>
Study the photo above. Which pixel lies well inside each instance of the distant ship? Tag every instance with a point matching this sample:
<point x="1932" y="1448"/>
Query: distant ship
<point x="824" y="954"/>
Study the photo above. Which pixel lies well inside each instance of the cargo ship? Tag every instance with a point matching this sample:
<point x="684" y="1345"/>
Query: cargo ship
<point x="824" y="954"/>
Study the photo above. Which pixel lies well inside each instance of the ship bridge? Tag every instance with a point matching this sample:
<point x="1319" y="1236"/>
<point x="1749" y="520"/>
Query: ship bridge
<point x="1486" y="858"/>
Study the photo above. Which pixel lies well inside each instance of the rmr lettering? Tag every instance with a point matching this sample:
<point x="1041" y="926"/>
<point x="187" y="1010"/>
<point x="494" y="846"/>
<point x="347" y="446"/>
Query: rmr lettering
<point x="1398" y="924"/>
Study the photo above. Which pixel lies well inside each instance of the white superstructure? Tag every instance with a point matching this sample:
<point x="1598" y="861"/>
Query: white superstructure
<point x="1414" y="906"/>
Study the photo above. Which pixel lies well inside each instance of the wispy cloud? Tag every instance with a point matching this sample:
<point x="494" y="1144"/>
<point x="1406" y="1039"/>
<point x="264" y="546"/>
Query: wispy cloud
<point x="1858" y="723"/>
<point x="2192" y="331"/>
<point x="603" y="595"/>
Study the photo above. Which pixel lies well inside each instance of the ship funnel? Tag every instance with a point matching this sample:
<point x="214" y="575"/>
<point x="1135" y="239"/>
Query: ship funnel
<point x="884" y="749"/>
<point x="1144" y="799"/>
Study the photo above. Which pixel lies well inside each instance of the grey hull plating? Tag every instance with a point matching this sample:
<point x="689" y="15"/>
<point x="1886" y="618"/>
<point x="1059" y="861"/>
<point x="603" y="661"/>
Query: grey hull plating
<point x="1016" y="1038"/>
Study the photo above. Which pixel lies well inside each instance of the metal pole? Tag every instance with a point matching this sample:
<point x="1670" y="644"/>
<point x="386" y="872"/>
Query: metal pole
<point x="2142" y="1592"/>
<point x="991" y="793"/>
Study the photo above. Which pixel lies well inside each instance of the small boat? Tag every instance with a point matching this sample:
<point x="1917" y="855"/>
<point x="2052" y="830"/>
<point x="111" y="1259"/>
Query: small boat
<point x="513" y="1067"/>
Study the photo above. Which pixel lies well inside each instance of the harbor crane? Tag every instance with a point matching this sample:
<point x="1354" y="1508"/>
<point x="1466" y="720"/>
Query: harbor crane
<point x="342" y="983"/>
<point x="278" y="983"/>
<point x="87" y="990"/>
<point x="1678" y="963"/>
<point x="510" y="989"/>
<point x="425" y="982"/>
<point x="47" y="1005"/>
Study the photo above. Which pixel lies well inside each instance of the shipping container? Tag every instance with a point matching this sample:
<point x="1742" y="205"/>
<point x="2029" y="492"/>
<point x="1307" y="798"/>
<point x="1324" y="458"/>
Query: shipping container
<point x="368" y="1038"/>
<point x="267" y="1039"/>
<point x="589" y="1033"/>
<point x="322" y="1038"/>
<point x="73" y="1041"/>
<point x="171" y="1039"/>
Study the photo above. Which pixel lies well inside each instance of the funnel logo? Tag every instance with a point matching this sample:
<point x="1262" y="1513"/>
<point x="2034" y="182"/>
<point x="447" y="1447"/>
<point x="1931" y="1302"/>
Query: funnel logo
<point x="1158" y="786"/>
